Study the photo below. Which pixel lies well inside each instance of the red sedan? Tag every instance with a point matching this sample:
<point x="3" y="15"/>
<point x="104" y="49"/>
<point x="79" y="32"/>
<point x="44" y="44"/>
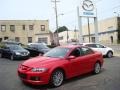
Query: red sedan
<point x="60" y="63"/>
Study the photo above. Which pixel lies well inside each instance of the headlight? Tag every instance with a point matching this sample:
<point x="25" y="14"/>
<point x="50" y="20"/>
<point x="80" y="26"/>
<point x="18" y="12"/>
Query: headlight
<point x="39" y="69"/>
<point x="17" y="53"/>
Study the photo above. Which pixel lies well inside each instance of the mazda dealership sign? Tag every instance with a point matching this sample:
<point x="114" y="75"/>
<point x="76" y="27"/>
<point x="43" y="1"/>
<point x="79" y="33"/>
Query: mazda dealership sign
<point x="87" y="8"/>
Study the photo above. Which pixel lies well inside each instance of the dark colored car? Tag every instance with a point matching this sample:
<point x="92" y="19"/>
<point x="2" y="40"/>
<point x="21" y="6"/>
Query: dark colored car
<point x="10" y="42"/>
<point x="14" y="52"/>
<point x="37" y="48"/>
<point x="60" y="63"/>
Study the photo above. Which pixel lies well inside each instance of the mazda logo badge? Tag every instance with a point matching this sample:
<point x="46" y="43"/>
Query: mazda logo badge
<point x="88" y="5"/>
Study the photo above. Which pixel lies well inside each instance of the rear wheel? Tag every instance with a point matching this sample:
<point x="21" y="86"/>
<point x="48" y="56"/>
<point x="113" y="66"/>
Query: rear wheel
<point x="57" y="78"/>
<point x="97" y="68"/>
<point x="109" y="54"/>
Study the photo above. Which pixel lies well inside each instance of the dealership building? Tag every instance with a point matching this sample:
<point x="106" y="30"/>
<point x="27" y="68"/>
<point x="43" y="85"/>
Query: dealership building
<point x="108" y="32"/>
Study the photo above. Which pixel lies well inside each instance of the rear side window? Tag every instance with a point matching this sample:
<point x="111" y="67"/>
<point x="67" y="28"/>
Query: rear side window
<point x="86" y="51"/>
<point x="91" y="45"/>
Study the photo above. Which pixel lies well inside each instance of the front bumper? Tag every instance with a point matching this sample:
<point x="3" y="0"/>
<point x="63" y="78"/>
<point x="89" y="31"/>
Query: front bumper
<point x="34" y="78"/>
<point x="21" y="57"/>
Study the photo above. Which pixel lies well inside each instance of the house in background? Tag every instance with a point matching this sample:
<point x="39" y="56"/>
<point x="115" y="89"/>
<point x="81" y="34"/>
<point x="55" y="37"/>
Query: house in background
<point x="25" y="31"/>
<point x="69" y="36"/>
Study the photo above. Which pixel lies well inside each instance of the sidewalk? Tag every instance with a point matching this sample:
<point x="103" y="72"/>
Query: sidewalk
<point x="116" y="48"/>
<point x="116" y="53"/>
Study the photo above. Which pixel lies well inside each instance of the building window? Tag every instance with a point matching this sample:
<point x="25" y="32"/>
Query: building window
<point x="23" y="27"/>
<point x="30" y="27"/>
<point x="3" y="28"/>
<point x="93" y="39"/>
<point x="29" y="39"/>
<point x="0" y="39"/>
<point x="17" y="39"/>
<point x="42" y="40"/>
<point x="110" y="28"/>
<point x="42" y="27"/>
<point x="5" y="38"/>
<point x="61" y="38"/>
<point x="111" y="38"/>
<point x="12" y="28"/>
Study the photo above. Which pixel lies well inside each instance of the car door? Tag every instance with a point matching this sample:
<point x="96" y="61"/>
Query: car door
<point x="84" y="62"/>
<point x="101" y="48"/>
<point x="97" y="47"/>
<point x="6" y="51"/>
<point x="87" y="59"/>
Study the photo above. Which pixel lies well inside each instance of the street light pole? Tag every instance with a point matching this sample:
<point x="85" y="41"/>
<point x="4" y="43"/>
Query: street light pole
<point x="117" y="14"/>
<point x="88" y="28"/>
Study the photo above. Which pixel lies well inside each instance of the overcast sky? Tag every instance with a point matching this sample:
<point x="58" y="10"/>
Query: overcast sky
<point x="44" y="10"/>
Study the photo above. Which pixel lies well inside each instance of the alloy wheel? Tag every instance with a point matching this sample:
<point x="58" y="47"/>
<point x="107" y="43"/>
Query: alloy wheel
<point x="97" y="68"/>
<point x="0" y="55"/>
<point x="109" y="55"/>
<point x="11" y="57"/>
<point x="57" y="78"/>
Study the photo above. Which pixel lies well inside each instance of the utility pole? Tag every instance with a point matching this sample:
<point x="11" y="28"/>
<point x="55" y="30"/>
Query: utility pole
<point x="56" y="14"/>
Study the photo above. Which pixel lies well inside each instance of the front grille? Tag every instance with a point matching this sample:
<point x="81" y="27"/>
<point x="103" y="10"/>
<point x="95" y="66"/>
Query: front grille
<point x="24" y="53"/>
<point x="22" y="75"/>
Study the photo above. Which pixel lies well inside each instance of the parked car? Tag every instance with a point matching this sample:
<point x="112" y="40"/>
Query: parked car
<point x="10" y="42"/>
<point x="13" y="52"/>
<point x="106" y="51"/>
<point x="60" y="63"/>
<point x="37" y="48"/>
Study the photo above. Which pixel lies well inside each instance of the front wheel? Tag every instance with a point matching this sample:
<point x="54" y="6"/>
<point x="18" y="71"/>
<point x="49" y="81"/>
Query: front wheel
<point x="12" y="57"/>
<point x="57" y="78"/>
<point x="97" y="68"/>
<point x="0" y="55"/>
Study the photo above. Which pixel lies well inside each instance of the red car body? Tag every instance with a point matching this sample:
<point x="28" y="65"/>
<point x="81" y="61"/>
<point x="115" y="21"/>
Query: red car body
<point x="71" y="66"/>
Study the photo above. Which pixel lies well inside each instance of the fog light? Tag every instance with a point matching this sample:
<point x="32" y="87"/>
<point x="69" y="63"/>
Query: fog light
<point x="35" y="78"/>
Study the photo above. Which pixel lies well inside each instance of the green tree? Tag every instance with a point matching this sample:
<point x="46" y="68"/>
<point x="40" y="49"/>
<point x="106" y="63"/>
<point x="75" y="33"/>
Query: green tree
<point x="61" y="29"/>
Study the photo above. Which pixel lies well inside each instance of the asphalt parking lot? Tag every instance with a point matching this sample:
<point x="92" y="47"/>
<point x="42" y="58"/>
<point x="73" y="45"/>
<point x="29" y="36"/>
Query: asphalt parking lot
<point x="108" y="79"/>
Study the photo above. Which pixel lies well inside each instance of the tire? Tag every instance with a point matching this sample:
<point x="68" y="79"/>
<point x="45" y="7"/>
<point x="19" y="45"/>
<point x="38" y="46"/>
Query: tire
<point x="0" y="55"/>
<point x="97" y="68"/>
<point x="110" y="54"/>
<point x="12" y="57"/>
<point x="57" y="78"/>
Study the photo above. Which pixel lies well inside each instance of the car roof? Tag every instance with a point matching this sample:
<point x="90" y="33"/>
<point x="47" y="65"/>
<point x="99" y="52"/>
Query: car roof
<point x="36" y="44"/>
<point x="88" y="43"/>
<point x="70" y="46"/>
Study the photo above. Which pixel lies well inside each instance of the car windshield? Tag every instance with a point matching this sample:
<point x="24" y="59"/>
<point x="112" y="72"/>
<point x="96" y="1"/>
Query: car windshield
<point x="15" y="47"/>
<point x="57" y="52"/>
<point x="41" y="46"/>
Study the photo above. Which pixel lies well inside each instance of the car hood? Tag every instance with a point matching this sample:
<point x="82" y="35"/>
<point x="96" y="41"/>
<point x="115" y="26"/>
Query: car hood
<point x="20" y="50"/>
<point x="40" y="61"/>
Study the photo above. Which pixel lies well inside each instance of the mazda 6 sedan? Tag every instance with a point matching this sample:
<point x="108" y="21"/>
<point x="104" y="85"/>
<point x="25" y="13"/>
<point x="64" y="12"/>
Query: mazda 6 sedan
<point x="60" y="63"/>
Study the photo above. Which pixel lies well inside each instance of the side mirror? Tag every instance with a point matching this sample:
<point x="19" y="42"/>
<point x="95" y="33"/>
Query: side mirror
<point x="71" y="57"/>
<point x="103" y="47"/>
